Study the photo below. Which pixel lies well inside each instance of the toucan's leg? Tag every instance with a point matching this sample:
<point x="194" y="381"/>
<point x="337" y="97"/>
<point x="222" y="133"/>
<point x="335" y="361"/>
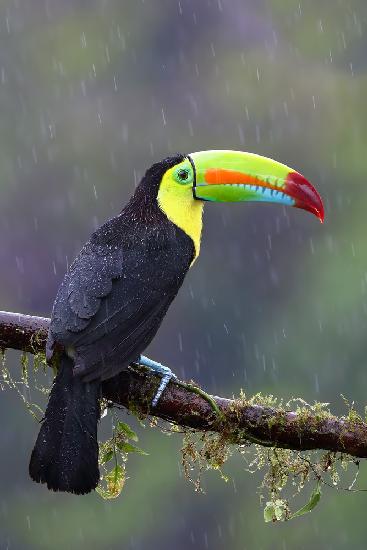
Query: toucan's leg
<point x="167" y="375"/>
<point x="158" y="368"/>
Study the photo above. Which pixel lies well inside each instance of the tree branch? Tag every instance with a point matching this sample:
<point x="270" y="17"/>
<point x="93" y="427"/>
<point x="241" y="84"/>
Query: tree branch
<point x="244" y="421"/>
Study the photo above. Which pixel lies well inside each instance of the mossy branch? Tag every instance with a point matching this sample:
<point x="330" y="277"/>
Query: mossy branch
<point x="243" y="420"/>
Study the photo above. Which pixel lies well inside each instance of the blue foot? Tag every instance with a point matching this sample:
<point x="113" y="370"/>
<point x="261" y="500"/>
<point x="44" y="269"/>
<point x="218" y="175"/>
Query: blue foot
<point x="158" y="368"/>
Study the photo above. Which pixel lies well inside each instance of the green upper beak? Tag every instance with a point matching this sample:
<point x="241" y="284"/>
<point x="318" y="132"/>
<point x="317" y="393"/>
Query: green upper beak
<point x="235" y="176"/>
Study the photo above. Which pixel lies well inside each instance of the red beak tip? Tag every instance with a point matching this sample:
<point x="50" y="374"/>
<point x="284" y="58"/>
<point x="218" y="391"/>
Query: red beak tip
<point x="304" y="194"/>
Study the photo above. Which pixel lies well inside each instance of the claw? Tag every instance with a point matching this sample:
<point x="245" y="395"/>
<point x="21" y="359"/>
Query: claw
<point x="158" y="368"/>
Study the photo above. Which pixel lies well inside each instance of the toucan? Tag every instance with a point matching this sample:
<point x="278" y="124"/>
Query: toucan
<point x="117" y="291"/>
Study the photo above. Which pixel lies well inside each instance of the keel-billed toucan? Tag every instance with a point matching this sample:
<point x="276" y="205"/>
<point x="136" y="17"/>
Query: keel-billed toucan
<point x="118" y="289"/>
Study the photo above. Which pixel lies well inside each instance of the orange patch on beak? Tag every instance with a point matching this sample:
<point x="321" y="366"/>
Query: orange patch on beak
<point x="216" y="176"/>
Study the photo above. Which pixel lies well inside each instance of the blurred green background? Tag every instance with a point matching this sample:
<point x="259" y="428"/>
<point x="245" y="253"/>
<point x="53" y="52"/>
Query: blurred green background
<point x="91" y="93"/>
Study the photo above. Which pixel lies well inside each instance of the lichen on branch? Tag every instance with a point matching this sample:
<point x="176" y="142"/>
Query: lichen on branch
<point x="259" y="419"/>
<point x="289" y="447"/>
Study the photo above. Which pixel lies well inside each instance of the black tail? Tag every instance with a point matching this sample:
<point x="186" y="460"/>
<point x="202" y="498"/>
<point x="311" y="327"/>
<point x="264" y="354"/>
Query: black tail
<point x="65" y="455"/>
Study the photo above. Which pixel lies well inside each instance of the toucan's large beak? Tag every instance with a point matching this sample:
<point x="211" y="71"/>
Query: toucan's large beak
<point x="234" y="176"/>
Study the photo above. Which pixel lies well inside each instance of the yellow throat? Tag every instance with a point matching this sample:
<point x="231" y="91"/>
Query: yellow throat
<point x="181" y="208"/>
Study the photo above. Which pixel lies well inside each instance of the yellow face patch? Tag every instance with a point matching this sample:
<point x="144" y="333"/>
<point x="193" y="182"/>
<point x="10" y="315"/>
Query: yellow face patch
<point x="176" y="200"/>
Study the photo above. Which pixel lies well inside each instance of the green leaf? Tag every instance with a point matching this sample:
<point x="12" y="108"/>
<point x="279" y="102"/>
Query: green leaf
<point x="123" y="428"/>
<point x="314" y="500"/>
<point x="269" y="513"/>
<point x="115" y="481"/>
<point x="128" y="448"/>
<point x="106" y="456"/>
<point x="276" y="510"/>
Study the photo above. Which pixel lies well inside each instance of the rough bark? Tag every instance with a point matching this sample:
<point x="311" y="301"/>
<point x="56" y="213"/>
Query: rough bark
<point x="243" y="421"/>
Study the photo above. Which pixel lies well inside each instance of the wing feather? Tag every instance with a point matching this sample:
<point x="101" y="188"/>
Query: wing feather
<point x="112" y="302"/>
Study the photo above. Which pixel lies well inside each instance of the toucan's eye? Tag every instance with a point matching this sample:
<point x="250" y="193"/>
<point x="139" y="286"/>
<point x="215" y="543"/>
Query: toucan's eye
<point x="183" y="175"/>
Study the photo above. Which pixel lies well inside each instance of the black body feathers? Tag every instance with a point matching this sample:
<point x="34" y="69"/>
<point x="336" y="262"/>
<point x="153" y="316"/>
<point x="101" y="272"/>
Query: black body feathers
<point x="107" y="310"/>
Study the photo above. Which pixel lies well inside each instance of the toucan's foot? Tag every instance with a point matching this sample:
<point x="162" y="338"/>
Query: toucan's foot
<point x="160" y="369"/>
<point x="167" y="375"/>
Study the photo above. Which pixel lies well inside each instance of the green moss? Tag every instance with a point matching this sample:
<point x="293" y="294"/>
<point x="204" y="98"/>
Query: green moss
<point x="39" y="362"/>
<point x="283" y="470"/>
<point x="264" y="400"/>
<point x="24" y="385"/>
<point x="193" y="388"/>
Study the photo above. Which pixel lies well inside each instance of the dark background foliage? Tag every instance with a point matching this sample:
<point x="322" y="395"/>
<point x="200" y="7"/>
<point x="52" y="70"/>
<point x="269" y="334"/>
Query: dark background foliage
<point x="91" y="93"/>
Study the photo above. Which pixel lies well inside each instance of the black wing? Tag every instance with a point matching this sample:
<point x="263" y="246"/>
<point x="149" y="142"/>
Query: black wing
<point x="89" y="280"/>
<point x="113" y="300"/>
